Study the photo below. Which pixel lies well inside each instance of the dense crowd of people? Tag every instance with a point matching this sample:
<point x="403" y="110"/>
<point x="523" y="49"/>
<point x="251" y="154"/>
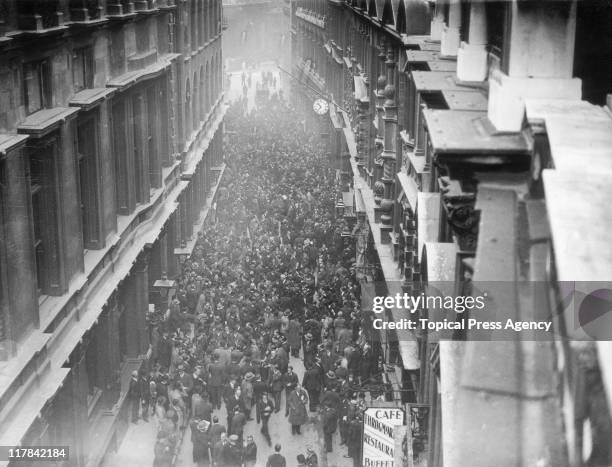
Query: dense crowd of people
<point x="270" y="279"/>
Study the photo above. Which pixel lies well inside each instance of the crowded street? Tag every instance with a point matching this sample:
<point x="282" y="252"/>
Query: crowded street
<point x="262" y="348"/>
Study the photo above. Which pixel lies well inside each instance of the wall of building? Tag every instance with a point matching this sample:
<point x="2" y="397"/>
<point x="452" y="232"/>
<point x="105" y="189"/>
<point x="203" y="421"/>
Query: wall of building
<point x="110" y="155"/>
<point x="438" y="193"/>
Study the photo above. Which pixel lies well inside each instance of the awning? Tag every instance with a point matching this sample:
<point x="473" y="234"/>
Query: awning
<point x="410" y="189"/>
<point x="409" y="351"/>
<point x="333" y="116"/>
<point x="361" y="90"/>
<point x="359" y="203"/>
<point x="441" y="261"/>
<point x="428" y="220"/>
<point x="337" y="57"/>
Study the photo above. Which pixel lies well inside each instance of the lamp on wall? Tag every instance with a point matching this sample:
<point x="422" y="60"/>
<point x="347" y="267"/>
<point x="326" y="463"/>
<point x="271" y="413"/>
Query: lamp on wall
<point x="182" y="253"/>
<point x="164" y="286"/>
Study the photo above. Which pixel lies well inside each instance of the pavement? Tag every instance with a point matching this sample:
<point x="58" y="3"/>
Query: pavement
<point x="136" y="450"/>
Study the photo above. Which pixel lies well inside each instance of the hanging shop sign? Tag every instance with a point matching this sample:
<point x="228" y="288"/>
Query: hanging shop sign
<point x="379" y="439"/>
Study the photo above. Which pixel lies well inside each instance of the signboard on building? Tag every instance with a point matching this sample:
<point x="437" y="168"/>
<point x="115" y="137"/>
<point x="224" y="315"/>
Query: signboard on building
<point x="379" y="426"/>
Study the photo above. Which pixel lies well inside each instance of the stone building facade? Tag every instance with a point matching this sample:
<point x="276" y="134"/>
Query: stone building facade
<point x="470" y="139"/>
<point x="111" y="122"/>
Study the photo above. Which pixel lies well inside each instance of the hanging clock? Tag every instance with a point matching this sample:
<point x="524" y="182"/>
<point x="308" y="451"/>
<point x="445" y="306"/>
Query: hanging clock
<point x="320" y="106"/>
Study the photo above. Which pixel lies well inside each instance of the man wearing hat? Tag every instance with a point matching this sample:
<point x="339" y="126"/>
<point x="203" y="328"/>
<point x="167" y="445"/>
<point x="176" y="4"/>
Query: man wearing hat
<point x="265" y="410"/>
<point x="201" y="441"/>
<point x="297" y="401"/>
<point x="312" y="382"/>
<point x="219" y="449"/>
<point x="354" y="441"/>
<point x="247" y="393"/>
<point x="330" y="423"/>
<point x="216" y="430"/>
<point x="134" y="396"/>
<point x="237" y="424"/>
<point x="250" y="452"/>
<point x="330" y="380"/>
<point x="328" y="358"/>
<point x="311" y="457"/>
<point x="216" y="378"/>
<point x="310" y="348"/>
<point x="291" y="381"/>
<point x="233" y="452"/>
<point x="259" y="388"/>
<point x="330" y="398"/>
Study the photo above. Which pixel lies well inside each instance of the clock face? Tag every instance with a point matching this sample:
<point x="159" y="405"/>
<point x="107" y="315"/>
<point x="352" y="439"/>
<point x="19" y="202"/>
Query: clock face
<point x="320" y="106"/>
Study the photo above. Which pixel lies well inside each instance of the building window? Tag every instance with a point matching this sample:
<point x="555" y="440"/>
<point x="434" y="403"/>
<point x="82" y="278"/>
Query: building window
<point x="44" y="216"/>
<point x="142" y="36"/>
<point x="120" y="151"/>
<point x="154" y="131"/>
<point x="87" y="149"/>
<point x="37" y="85"/>
<point x="83" y="68"/>
<point x="116" y="52"/>
<point x="141" y="182"/>
<point x="497" y="26"/>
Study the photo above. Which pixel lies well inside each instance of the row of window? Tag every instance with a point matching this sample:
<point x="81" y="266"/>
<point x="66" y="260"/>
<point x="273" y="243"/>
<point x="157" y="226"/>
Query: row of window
<point x="202" y="22"/>
<point x="37" y="75"/>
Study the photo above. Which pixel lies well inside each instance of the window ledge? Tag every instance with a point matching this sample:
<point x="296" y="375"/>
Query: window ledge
<point x="132" y="77"/>
<point x="8" y="142"/>
<point x="44" y="121"/>
<point x="88" y="98"/>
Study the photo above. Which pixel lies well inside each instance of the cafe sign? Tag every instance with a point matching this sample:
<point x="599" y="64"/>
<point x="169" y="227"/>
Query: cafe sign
<point x="379" y="427"/>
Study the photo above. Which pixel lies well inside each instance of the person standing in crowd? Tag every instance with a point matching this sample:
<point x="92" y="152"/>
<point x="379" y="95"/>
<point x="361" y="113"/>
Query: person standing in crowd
<point x="297" y="403"/>
<point x="259" y="388"/>
<point x="291" y="381"/>
<point x="330" y="423"/>
<point x="250" y="452"/>
<point x="216" y="379"/>
<point x="134" y="396"/>
<point x="237" y="425"/>
<point x="216" y="430"/>
<point x="219" y="450"/>
<point x="294" y="337"/>
<point x="232" y="455"/>
<point x="276" y="387"/>
<point x="201" y="442"/>
<point x="266" y="409"/>
<point x="311" y="457"/>
<point x="276" y="459"/>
